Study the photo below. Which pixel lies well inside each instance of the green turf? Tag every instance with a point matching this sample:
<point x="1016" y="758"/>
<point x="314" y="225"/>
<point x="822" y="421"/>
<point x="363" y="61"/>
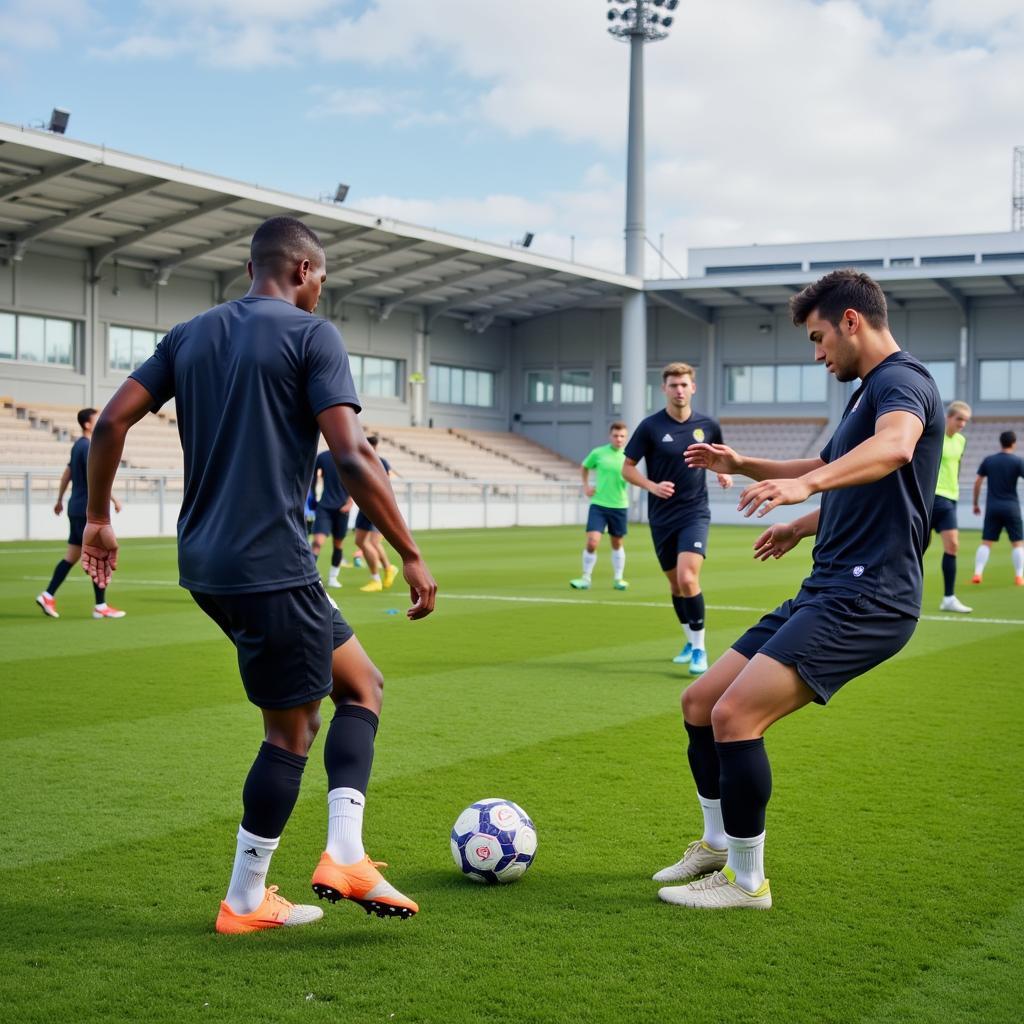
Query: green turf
<point x="894" y="831"/>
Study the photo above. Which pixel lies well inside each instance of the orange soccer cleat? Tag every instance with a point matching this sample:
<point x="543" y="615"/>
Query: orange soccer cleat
<point x="976" y="578"/>
<point x="1018" y="581"/>
<point x="363" y="884"/>
<point x="274" y="912"/>
<point x="48" y="604"/>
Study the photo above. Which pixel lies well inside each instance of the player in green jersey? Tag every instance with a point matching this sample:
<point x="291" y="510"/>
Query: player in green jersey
<point x="947" y="491"/>
<point x="608" y="507"/>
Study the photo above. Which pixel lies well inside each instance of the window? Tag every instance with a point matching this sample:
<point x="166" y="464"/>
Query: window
<point x="1002" y="380"/>
<point x="944" y="372"/>
<point x="38" y="339"/>
<point x="652" y="398"/>
<point x="765" y="384"/>
<point x="575" y="388"/>
<point x="376" y="377"/>
<point x="540" y="387"/>
<point x="458" y="385"/>
<point x="130" y="346"/>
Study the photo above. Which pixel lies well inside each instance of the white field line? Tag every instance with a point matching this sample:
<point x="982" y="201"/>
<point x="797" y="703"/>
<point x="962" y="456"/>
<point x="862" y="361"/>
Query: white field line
<point x="55" y="545"/>
<point x="626" y="603"/>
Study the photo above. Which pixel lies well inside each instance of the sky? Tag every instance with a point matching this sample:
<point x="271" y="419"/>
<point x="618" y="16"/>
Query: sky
<point x="767" y="120"/>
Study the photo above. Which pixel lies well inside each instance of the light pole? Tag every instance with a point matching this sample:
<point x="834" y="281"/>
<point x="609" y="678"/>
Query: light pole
<point x="636" y="22"/>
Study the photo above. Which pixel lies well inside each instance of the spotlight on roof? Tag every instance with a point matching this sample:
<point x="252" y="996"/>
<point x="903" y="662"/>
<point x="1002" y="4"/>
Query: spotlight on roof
<point x="527" y="240"/>
<point x="667" y="20"/>
<point x="340" y="193"/>
<point x="59" y="121"/>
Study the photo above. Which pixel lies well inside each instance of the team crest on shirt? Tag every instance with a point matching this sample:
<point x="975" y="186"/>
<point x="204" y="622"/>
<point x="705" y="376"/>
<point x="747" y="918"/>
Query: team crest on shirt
<point x="698" y="434"/>
<point x="858" y="570"/>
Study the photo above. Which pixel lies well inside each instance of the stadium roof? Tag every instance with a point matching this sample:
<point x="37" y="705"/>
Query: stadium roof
<point x="58" y="192"/>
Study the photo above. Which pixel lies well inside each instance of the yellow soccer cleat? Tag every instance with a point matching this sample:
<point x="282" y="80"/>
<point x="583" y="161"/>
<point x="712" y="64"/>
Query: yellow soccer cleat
<point x="390" y="575"/>
<point x="373" y="587"/>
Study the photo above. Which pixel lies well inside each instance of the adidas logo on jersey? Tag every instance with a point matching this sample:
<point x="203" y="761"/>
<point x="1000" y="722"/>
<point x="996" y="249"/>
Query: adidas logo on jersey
<point x="667" y="437"/>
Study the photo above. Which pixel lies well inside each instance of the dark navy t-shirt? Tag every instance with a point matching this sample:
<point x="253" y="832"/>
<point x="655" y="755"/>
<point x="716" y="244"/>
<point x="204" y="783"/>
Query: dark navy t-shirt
<point x="661" y="440"/>
<point x="333" y="495"/>
<point x="871" y="538"/>
<point x="79" y="466"/>
<point x="248" y="378"/>
<point x="1003" y="470"/>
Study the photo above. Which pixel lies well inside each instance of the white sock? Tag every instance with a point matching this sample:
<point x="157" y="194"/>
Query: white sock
<point x="249" y="875"/>
<point x="332" y="573"/>
<point x="375" y="576"/>
<point x="589" y="561"/>
<point x="688" y="632"/>
<point x="1018" y="561"/>
<point x="746" y="858"/>
<point x="345" y="825"/>
<point x="697" y="639"/>
<point x="714" y="829"/>
<point x="101" y="606"/>
<point x="618" y="562"/>
<point x="981" y="558"/>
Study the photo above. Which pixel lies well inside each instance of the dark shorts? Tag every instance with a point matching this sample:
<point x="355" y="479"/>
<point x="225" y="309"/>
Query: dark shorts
<point x="670" y="541"/>
<point x="363" y="522"/>
<point x="76" y="530"/>
<point x="285" y="640"/>
<point x="943" y="514"/>
<point x="998" y="519"/>
<point x="829" y="637"/>
<point x="331" y="521"/>
<point x="614" y="519"/>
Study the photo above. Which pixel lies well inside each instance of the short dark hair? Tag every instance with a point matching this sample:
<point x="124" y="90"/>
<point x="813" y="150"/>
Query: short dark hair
<point x="617" y="425"/>
<point x="838" y="291"/>
<point x="84" y="415"/>
<point x="1007" y="438"/>
<point x="373" y="440"/>
<point x="281" y="242"/>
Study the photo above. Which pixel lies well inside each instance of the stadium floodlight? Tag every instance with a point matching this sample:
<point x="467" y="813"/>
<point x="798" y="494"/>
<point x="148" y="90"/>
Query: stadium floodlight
<point x="631" y="18"/>
<point x="59" y="121"/>
<point x="527" y="240"/>
<point x="340" y="193"/>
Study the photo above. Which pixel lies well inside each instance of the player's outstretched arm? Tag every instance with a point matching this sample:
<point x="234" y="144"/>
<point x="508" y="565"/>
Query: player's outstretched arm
<point x="365" y="479"/>
<point x="890" y="447"/>
<point x="783" y="537"/>
<point x="99" y="545"/>
<point x="722" y="459"/>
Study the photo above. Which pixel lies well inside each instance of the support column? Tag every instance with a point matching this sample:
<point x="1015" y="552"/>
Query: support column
<point x="962" y="367"/>
<point x="418" y="377"/>
<point x="712" y="400"/>
<point x="90" y="357"/>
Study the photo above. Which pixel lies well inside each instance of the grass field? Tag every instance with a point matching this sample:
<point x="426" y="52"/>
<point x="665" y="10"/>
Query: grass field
<point x="894" y="833"/>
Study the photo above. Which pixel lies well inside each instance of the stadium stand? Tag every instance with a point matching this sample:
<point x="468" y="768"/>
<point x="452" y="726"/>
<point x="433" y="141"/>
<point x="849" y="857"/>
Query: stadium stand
<point x="982" y="435"/>
<point x="775" y="439"/>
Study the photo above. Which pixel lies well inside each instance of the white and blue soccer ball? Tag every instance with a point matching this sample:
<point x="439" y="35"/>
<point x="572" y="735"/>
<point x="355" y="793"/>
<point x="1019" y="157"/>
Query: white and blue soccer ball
<point x="493" y="841"/>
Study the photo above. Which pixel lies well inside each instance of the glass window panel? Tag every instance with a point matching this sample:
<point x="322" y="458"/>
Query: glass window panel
<point x="374" y="372"/>
<point x="615" y="389"/>
<point x="1016" y="380"/>
<point x="575" y="387"/>
<point x="60" y="339"/>
<point x="994" y="384"/>
<point x="458" y="386"/>
<point x="944" y="373"/>
<point x="654" y="395"/>
<point x="787" y="383"/>
<point x="486" y="389"/>
<point x="814" y="383"/>
<point x="143" y="343"/>
<point x="356" y="366"/>
<point x="120" y="343"/>
<point x="432" y="382"/>
<point x="444" y="384"/>
<point x="762" y="384"/>
<point x="472" y="391"/>
<point x="31" y="338"/>
<point x="540" y="387"/>
<point x="737" y="384"/>
<point x="7" y="330"/>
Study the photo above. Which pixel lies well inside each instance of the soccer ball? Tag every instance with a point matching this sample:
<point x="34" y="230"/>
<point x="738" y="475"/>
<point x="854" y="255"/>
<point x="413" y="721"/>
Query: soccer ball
<point x="493" y="841"/>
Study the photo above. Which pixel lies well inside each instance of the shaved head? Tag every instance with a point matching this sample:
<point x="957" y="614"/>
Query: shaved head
<point x="282" y="242"/>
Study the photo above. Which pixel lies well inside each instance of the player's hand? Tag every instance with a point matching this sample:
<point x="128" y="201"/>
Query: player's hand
<point x="590" y="491"/>
<point x="977" y="510"/>
<point x="768" y="494"/>
<point x="663" y="490"/>
<point x="724" y="481"/>
<point x="719" y="458"/>
<point x="117" y="504"/>
<point x="99" y="552"/>
<point x="58" y="508"/>
<point x="422" y="588"/>
<point x="776" y="541"/>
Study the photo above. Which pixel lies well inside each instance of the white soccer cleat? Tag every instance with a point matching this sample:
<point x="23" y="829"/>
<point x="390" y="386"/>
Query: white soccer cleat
<point x="698" y="860"/>
<point x="717" y="892"/>
<point x="334" y="584"/>
<point x="952" y="604"/>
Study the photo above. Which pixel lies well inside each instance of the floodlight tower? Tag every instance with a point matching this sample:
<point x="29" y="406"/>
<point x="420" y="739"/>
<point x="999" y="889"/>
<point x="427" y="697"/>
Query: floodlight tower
<point x="636" y="22"/>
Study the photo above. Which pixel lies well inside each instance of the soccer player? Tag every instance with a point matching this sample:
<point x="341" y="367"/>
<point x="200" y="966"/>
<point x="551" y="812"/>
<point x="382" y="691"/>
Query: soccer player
<point x="75" y="474"/>
<point x="255" y="381"/>
<point x="1002" y="506"/>
<point x="368" y="541"/>
<point x="677" y="502"/>
<point x="332" y="511"/>
<point x="609" y="507"/>
<point x="947" y="492"/>
<point x="858" y="607"/>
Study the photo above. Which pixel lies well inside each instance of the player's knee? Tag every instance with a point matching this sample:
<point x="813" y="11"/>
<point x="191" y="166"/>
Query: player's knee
<point x="723" y="718"/>
<point x="952" y="546"/>
<point x="695" y="709"/>
<point x="689" y="582"/>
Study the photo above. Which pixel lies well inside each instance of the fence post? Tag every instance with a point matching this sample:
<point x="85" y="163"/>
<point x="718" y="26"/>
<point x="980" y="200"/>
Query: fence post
<point x="160" y="489"/>
<point x="28" y="506"/>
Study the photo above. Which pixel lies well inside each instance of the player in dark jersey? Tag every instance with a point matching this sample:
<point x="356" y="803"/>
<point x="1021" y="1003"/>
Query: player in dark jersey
<point x="858" y="607"/>
<point x="382" y="572"/>
<point x="75" y="474"/>
<point x="255" y="382"/>
<point x="331" y="516"/>
<point x="1002" y="506"/>
<point x="677" y="502"/>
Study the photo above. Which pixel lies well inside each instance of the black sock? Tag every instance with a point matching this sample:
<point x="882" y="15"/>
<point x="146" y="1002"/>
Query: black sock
<point x="59" y="575"/>
<point x="679" y="604"/>
<point x="703" y="759"/>
<point x="100" y="593"/>
<point x="949" y="574"/>
<point x="270" y="790"/>
<point x="348" y="752"/>
<point x="693" y="608"/>
<point x="746" y="785"/>
<point x="336" y="557"/>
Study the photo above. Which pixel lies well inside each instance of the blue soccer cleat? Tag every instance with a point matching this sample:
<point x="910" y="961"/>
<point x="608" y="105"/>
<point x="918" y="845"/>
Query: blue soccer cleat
<point x="699" y="662"/>
<point x="684" y="656"/>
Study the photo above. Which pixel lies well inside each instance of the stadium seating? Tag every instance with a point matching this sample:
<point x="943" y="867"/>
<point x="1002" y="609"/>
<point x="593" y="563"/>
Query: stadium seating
<point x="983" y="439"/>
<point x="775" y="439"/>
